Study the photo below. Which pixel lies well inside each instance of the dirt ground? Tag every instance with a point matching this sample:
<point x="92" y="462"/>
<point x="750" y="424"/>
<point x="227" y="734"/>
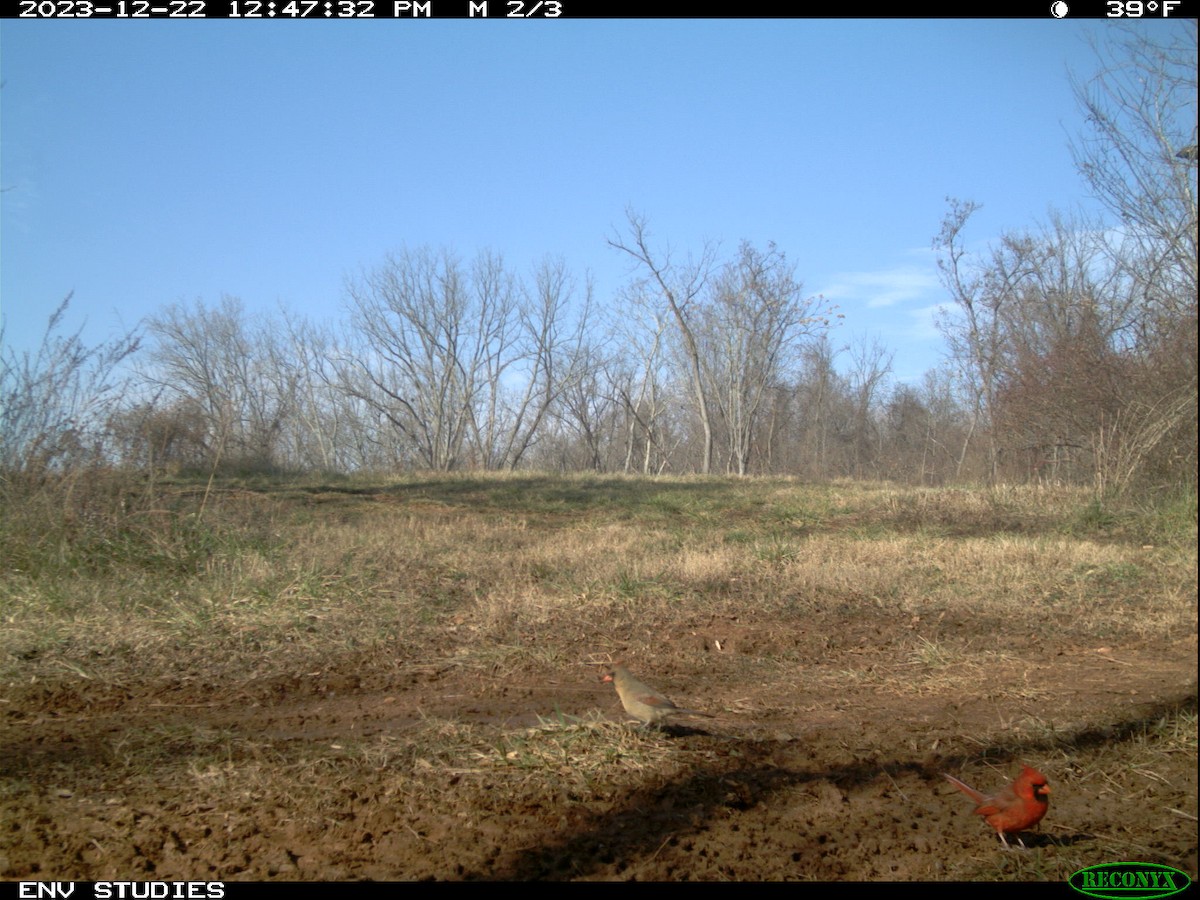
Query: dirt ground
<point x="433" y="765"/>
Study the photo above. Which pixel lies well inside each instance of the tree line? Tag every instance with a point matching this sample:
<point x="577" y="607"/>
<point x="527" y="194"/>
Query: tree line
<point x="1071" y="351"/>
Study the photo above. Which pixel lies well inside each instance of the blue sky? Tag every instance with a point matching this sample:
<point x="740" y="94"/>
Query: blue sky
<point x="152" y="162"/>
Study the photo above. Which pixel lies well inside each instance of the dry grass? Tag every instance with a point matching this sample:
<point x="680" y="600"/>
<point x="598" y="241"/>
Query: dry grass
<point x="275" y="577"/>
<point x="805" y="607"/>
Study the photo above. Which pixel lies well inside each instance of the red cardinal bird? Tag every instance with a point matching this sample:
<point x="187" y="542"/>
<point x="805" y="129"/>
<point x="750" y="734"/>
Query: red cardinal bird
<point x="1018" y="806"/>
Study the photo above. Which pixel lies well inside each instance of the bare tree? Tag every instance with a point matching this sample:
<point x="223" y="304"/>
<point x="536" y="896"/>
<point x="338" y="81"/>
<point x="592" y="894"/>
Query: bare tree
<point x="1139" y="157"/>
<point x="754" y="323"/>
<point x="973" y="333"/>
<point x="1138" y="154"/>
<point x="1068" y="383"/>
<point x="637" y="373"/>
<point x="462" y="364"/>
<point x="588" y="407"/>
<point x="427" y="341"/>
<point x="817" y="392"/>
<point x="325" y="432"/>
<point x="908" y="427"/>
<point x="236" y="372"/>
<point x="56" y="401"/>
<point x="492" y="336"/>
<point x="552" y="356"/>
<point x="870" y="366"/>
<point x="680" y="286"/>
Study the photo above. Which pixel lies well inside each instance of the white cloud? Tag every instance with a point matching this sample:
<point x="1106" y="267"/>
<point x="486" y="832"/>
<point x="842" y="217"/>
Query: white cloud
<point x="924" y="321"/>
<point x="883" y="288"/>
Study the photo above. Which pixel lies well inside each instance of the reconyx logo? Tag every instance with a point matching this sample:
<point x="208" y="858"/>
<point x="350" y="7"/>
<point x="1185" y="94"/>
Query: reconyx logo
<point x="1129" y="881"/>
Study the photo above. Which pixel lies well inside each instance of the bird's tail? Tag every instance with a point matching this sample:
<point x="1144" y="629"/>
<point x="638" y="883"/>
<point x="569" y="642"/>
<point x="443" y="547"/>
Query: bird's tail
<point x="965" y="788"/>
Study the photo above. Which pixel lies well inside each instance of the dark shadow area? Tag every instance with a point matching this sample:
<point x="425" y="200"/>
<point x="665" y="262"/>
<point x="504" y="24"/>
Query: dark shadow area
<point x="651" y="817"/>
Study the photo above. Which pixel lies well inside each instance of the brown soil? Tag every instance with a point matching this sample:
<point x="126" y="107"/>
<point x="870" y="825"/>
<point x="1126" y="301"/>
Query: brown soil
<point x="825" y="769"/>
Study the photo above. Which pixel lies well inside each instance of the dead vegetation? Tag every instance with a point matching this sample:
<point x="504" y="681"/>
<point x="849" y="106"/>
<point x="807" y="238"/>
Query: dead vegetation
<point x="399" y="680"/>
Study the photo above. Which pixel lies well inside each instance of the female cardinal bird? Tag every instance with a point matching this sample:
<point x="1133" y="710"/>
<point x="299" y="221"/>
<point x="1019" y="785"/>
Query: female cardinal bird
<point x="1019" y="806"/>
<point x="641" y="701"/>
